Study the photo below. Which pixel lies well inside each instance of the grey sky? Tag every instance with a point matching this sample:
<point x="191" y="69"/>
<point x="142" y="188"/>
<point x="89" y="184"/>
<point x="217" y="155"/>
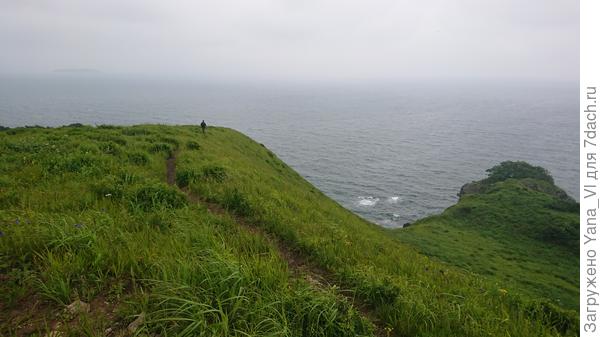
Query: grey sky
<point x="303" y="39"/>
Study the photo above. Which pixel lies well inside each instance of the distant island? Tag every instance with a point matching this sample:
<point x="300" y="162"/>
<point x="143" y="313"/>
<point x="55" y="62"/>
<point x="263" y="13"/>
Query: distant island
<point x="161" y="230"/>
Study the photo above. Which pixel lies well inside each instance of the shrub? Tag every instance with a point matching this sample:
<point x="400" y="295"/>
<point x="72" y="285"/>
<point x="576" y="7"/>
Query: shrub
<point x="235" y="201"/>
<point x="110" y="148"/>
<point x="185" y="177"/>
<point x="77" y="163"/>
<point x="169" y="140"/>
<point x="75" y="125"/>
<point x="562" y="320"/>
<point x="157" y="196"/>
<point x="517" y="170"/>
<point x="138" y="158"/>
<point x="133" y="131"/>
<point x="160" y="147"/>
<point x="108" y="187"/>
<point x="213" y="172"/>
<point x="107" y="126"/>
<point x="192" y="145"/>
<point x="570" y="206"/>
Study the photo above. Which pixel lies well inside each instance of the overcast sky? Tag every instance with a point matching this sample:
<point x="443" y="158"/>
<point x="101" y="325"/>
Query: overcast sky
<point x="294" y="39"/>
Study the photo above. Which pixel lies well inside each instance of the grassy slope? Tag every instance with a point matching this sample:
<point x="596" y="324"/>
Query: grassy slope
<point x="515" y="233"/>
<point x="145" y="243"/>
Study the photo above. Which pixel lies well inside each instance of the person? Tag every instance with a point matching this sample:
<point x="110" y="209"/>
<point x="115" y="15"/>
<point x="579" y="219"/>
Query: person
<point x="203" y="126"/>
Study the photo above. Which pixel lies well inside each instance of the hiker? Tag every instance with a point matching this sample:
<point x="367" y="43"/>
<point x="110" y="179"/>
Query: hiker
<point x="203" y="126"/>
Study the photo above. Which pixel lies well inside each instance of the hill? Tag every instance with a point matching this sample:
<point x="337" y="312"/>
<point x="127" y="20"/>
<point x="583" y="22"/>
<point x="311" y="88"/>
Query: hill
<point x="515" y="227"/>
<point x="161" y="230"/>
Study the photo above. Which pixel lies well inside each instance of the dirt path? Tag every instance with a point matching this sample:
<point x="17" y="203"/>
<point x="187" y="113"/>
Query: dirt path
<point x="171" y="170"/>
<point x="298" y="264"/>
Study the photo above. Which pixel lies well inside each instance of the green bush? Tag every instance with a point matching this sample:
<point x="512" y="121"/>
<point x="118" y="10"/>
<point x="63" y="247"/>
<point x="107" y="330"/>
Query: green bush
<point x="108" y="187"/>
<point x="184" y="178"/>
<point x="138" y="158"/>
<point x="135" y="131"/>
<point x="517" y="170"/>
<point x="208" y="173"/>
<point x="562" y="320"/>
<point x="110" y="148"/>
<point x="157" y="196"/>
<point x="214" y="172"/>
<point x="192" y="145"/>
<point x="160" y="147"/>
<point x="235" y="201"/>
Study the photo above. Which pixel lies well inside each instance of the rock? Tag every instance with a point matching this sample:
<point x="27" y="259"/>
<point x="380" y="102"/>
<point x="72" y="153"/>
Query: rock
<point x="406" y="225"/>
<point x="133" y="326"/>
<point x="78" y="307"/>
<point x="475" y="187"/>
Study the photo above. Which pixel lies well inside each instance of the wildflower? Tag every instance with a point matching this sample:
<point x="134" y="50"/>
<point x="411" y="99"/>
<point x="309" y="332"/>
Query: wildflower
<point x="1" y="234"/>
<point x="17" y="221"/>
<point x="503" y="291"/>
<point x="108" y="195"/>
<point x="78" y="225"/>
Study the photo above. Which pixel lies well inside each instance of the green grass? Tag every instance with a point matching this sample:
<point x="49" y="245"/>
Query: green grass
<point x="96" y="220"/>
<point x="522" y="233"/>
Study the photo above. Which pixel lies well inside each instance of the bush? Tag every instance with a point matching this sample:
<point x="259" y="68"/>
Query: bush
<point x="207" y="173"/>
<point x="157" y="196"/>
<point x="213" y="172"/>
<point x="79" y="163"/>
<point x="108" y="187"/>
<point x="75" y="125"/>
<point x="185" y="177"/>
<point x="517" y="170"/>
<point x="169" y="140"/>
<point x="192" y="145"/>
<point x="133" y="131"/>
<point x="138" y="158"/>
<point x="235" y="201"/>
<point x="570" y="206"/>
<point x="160" y="147"/>
<point x="562" y="320"/>
<point x="110" y="148"/>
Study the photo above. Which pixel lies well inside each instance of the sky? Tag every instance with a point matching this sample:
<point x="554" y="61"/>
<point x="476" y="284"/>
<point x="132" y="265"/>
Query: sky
<point x="294" y="40"/>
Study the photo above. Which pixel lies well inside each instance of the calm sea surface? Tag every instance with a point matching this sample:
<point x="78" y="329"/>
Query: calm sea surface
<point x="392" y="153"/>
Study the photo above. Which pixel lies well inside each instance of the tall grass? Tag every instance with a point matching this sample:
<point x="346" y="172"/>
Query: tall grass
<point x="82" y="219"/>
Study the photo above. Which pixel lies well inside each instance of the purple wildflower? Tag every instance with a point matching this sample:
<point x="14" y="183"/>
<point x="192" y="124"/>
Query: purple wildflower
<point x="78" y="225"/>
<point x="1" y="234"/>
<point x="17" y="221"/>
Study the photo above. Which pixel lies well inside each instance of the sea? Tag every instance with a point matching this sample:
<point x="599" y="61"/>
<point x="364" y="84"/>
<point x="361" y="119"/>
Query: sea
<point x="390" y="151"/>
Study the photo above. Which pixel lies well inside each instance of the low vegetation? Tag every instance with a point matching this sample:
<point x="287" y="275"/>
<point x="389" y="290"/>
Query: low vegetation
<point x="514" y="227"/>
<point x="85" y="214"/>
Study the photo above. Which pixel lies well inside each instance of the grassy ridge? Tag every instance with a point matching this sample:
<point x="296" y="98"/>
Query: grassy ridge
<point x="518" y="230"/>
<point x="95" y="219"/>
<point x="85" y="214"/>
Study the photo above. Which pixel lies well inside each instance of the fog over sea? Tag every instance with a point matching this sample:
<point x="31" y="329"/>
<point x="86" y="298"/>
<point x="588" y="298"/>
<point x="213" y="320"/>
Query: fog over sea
<point x="391" y="152"/>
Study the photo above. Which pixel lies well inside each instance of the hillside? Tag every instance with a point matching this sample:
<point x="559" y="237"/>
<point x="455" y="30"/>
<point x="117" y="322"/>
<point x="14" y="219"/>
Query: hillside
<point x="515" y="227"/>
<point x="165" y="231"/>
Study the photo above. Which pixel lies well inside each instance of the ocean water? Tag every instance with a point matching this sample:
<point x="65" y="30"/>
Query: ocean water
<point x="390" y="152"/>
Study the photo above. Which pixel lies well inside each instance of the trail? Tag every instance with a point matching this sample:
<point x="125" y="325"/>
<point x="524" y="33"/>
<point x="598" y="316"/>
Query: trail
<point x="298" y="264"/>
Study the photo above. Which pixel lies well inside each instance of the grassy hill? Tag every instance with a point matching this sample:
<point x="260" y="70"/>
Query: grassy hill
<point x="240" y="245"/>
<point x="515" y="227"/>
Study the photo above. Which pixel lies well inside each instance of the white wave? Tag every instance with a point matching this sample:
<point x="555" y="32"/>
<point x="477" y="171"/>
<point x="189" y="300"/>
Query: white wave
<point x="368" y="201"/>
<point x="393" y="200"/>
